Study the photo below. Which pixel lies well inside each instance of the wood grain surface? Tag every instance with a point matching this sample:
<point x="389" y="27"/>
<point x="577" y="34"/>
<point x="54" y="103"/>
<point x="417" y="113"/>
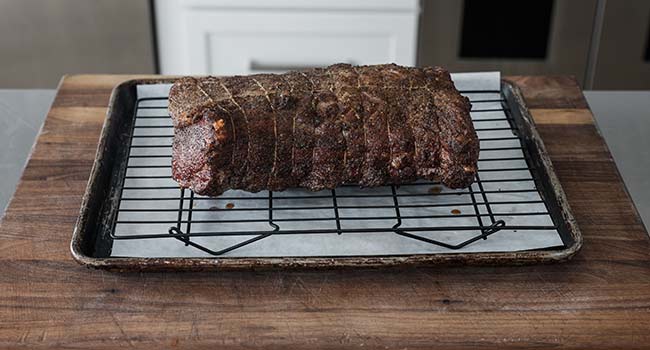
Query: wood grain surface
<point x="600" y="299"/>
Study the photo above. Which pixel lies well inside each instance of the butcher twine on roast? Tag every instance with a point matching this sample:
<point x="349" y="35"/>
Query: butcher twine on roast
<point x="318" y="129"/>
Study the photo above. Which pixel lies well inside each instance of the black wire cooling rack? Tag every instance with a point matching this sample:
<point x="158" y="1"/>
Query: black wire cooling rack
<point x="506" y="194"/>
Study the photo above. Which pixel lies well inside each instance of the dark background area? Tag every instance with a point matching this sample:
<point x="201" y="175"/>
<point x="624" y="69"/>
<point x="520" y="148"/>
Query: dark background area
<point x="647" y="45"/>
<point x="527" y="36"/>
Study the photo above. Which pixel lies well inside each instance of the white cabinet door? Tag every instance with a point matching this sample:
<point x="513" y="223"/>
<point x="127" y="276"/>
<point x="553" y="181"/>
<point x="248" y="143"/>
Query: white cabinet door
<point x="214" y="37"/>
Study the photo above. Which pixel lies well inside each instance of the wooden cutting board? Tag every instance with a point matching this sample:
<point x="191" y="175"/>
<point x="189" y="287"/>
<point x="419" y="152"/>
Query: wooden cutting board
<point x="600" y="299"/>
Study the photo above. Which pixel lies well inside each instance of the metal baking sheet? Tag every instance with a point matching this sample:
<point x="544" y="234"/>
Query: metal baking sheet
<point x="106" y="243"/>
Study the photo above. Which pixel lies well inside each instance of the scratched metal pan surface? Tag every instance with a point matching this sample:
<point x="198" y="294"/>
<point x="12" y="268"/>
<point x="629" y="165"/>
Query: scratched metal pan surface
<point x="94" y="232"/>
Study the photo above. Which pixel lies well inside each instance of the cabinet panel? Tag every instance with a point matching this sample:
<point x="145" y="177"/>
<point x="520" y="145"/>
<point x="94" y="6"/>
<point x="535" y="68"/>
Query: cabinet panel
<point x="278" y="52"/>
<point x="225" y="41"/>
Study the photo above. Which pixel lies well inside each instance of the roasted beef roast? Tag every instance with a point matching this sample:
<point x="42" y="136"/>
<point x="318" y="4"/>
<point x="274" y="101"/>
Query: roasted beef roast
<point x="317" y="129"/>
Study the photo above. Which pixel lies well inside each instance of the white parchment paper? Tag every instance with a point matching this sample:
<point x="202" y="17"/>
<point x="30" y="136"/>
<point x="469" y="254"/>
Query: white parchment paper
<point x="142" y="205"/>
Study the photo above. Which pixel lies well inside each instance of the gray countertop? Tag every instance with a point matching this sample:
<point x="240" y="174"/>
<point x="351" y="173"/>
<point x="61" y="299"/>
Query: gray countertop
<point x="623" y="118"/>
<point x="22" y="113"/>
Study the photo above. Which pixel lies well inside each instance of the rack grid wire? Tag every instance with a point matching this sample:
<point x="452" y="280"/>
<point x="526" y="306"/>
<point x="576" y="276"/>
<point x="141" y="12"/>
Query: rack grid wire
<point x="506" y="194"/>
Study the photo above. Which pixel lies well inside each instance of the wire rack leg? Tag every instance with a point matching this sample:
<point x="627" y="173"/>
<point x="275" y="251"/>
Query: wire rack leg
<point x="485" y="232"/>
<point x="495" y="227"/>
<point x="185" y="236"/>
